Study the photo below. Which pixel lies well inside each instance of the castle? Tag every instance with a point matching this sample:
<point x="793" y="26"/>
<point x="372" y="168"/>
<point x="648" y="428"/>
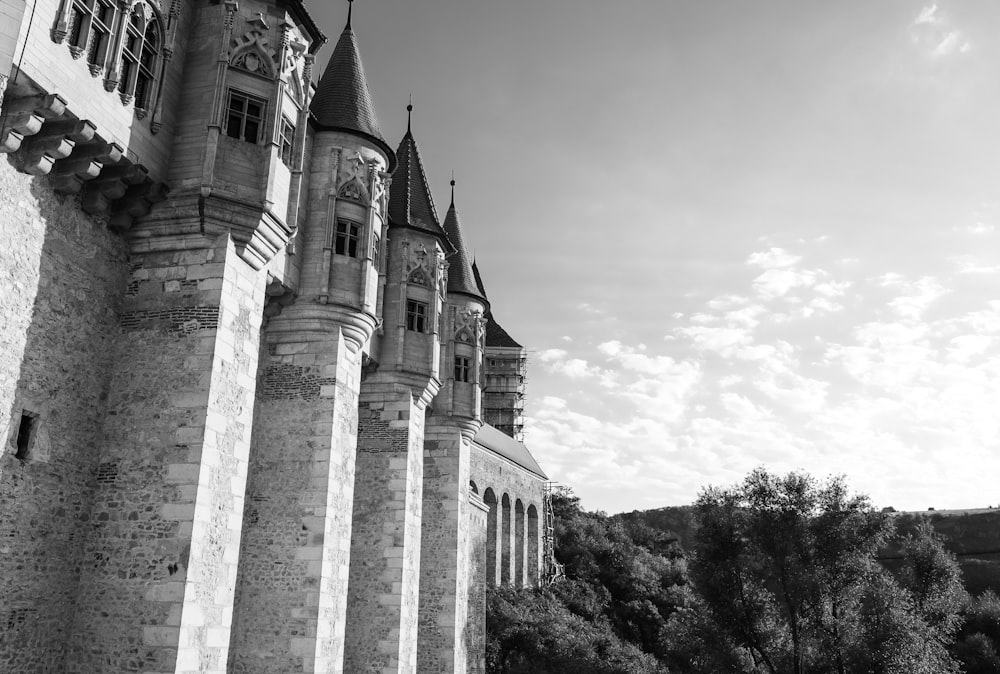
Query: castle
<point x="243" y="360"/>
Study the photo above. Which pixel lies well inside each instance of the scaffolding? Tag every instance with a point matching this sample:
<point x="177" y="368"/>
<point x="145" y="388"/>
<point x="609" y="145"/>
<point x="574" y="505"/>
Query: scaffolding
<point x="552" y="571"/>
<point x="503" y="392"/>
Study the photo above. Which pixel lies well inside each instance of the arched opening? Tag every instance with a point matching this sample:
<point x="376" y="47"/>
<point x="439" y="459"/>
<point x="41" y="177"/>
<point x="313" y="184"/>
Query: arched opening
<point x="519" y="542"/>
<point x="473" y="487"/>
<point x="505" y="541"/>
<point x="534" y="561"/>
<point x="490" y="499"/>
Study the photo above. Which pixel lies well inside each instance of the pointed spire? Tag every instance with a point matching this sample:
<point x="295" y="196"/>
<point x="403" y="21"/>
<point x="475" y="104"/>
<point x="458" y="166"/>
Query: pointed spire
<point x="350" y="10"/>
<point x="409" y="113"/>
<point x="342" y="101"/>
<point x="461" y="278"/>
<point x="410" y="201"/>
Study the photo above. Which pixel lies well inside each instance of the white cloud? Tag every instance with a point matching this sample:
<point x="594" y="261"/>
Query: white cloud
<point x="774" y="258"/>
<point x="927" y="15"/>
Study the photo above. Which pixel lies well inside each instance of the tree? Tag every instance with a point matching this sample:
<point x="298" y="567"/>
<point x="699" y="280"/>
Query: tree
<point x="786" y="567"/>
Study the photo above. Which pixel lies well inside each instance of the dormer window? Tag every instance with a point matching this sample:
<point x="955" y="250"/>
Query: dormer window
<point x="416" y="316"/>
<point x="346" y="240"/>
<point x="245" y="116"/>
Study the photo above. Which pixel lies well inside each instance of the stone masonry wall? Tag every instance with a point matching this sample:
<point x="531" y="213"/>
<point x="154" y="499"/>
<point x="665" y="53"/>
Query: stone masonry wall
<point x="292" y="591"/>
<point x="62" y="276"/>
<point x="491" y="471"/>
<point x="444" y="564"/>
<point x="159" y="569"/>
<point x="384" y="584"/>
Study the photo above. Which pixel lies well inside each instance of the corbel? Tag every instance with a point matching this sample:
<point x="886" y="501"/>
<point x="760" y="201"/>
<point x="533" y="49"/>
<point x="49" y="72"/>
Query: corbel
<point x="112" y="184"/>
<point x="136" y="202"/>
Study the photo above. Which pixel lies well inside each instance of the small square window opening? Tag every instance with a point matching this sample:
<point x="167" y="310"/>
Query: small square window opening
<point x="416" y="316"/>
<point x="462" y="368"/>
<point x="346" y="240"/>
<point x="244" y="116"/>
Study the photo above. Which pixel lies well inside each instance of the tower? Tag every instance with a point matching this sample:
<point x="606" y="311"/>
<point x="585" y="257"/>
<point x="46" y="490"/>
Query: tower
<point x="292" y="593"/>
<point x="402" y="379"/>
<point x="453" y="423"/>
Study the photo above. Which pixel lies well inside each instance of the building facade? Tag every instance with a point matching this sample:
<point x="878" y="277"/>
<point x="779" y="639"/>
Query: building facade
<point x="244" y="360"/>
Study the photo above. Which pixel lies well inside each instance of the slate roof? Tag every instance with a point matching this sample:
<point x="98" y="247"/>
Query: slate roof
<point x="461" y="278"/>
<point x="479" y="279"/>
<point x="497" y="336"/>
<point x="410" y="201"/>
<point x="342" y="101"/>
<point x="498" y="442"/>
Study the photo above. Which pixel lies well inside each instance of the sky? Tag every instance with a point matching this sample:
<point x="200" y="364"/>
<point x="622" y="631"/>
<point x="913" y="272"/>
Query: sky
<point x="731" y="234"/>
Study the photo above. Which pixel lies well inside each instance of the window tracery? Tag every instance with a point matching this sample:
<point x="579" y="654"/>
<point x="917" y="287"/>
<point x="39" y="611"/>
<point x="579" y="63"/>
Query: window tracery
<point x="122" y="38"/>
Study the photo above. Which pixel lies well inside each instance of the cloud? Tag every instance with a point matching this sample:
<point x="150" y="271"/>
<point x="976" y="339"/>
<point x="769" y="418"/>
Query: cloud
<point x="935" y="34"/>
<point x="878" y="377"/>
<point x="774" y="258"/>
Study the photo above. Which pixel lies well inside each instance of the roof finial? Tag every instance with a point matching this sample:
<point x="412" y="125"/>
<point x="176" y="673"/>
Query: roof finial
<point x="409" y="112"/>
<point x="453" y="188"/>
<point x="350" y="9"/>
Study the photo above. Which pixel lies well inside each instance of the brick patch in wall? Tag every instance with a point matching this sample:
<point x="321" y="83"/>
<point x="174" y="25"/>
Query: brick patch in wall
<point x="284" y="381"/>
<point x="176" y="321"/>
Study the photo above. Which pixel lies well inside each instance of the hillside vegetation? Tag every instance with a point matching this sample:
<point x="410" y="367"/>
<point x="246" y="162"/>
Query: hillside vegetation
<point x="779" y="574"/>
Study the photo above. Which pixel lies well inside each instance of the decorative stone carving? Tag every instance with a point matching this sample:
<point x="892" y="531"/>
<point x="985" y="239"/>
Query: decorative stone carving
<point x="469" y="326"/>
<point x="351" y="181"/>
<point x="417" y="268"/>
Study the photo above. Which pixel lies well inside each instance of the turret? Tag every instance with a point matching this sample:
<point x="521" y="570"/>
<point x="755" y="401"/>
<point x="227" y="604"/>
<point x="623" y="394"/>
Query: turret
<point x="416" y="278"/>
<point x="343" y="237"/>
<point x="464" y="330"/>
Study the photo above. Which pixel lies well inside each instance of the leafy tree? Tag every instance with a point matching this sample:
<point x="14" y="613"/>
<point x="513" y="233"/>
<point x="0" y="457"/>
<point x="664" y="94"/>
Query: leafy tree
<point x="977" y="645"/>
<point x="534" y="633"/>
<point x="787" y="570"/>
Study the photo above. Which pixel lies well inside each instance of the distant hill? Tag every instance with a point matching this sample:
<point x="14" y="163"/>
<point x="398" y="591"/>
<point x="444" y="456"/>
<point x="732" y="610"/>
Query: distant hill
<point x="972" y="535"/>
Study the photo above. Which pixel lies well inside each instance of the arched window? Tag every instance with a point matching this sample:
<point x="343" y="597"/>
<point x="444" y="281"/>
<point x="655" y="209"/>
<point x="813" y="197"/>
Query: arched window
<point x="533" y="540"/>
<point x="519" y="544"/>
<point x="140" y="51"/>
<point x="492" y="526"/>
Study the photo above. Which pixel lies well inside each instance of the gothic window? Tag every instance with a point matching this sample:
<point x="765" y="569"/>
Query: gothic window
<point x="416" y="316"/>
<point x="285" y="139"/>
<point x="90" y="29"/>
<point x="346" y="240"/>
<point x="462" y="368"/>
<point x="140" y="50"/>
<point x="244" y="116"/>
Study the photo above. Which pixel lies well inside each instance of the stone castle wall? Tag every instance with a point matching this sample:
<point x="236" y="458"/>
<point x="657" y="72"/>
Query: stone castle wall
<point x="63" y="275"/>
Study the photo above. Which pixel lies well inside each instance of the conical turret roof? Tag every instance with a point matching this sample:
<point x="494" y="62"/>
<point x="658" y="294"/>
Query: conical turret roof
<point x="461" y="278"/>
<point x="479" y="279"/>
<point x="410" y="201"/>
<point x="342" y="101"/>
